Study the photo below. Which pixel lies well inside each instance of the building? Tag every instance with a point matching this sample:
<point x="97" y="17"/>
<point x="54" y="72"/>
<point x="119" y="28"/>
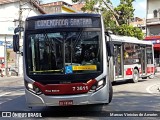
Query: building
<point x="78" y="6"/>
<point x="12" y="14"/>
<point x="153" y="26"/>
<point x="140" y="23"/>
<point x="57" y="7"/>
<point x="153" y="18"/>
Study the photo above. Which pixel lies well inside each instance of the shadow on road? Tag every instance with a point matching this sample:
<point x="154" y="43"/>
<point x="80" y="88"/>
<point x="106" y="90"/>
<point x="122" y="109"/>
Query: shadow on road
<point x="121" y="82"/>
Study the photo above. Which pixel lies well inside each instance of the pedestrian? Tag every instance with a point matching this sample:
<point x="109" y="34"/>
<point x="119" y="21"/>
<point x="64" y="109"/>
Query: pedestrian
<point x="1" y="73"/>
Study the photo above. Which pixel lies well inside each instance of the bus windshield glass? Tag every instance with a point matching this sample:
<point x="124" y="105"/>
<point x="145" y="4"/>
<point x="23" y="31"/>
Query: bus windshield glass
<point x="64" y="52"/>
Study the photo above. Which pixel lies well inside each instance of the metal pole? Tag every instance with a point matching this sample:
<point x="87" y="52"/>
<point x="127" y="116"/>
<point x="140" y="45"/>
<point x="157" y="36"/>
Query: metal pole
<point x="5" y="55"/>
<point x="20" y="25"/>
<point x="20" y="17"/>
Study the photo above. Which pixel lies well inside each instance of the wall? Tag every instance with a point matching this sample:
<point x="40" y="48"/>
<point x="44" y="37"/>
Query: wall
<point x="154" y="30"/>
<point x="152" y="5"/>
<point x="9" y="13"/>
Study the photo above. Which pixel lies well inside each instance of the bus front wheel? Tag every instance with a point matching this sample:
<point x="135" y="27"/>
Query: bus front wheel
<point x="110" y="92"/>
<point x="135" y="76"/>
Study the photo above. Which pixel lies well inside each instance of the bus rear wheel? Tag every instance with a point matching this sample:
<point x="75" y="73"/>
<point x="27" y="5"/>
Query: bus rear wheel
<point x="151" y="76"/>
<point x="135" y="76"/>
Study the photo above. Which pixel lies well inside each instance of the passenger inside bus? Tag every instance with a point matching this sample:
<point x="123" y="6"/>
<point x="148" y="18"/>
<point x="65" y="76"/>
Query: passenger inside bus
<point x="89" y="55"/>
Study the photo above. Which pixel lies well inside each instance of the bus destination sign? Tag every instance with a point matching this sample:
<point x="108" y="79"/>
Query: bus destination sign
<point x="70" y="22"/>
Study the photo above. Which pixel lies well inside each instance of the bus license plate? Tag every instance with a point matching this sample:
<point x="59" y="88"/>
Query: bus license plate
<point x="65" y="102"/>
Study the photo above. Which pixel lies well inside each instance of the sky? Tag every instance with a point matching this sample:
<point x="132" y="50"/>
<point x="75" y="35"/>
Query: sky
<point x="139" y="6"/>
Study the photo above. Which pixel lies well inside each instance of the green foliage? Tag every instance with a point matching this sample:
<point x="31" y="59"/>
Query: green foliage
<point x="108" y="23"/>
<point x="128" y="30"/>
<point x="126" y="11"/>
<point x="116" y="19"/>
<point x="8" y="55"/>
<point x="89" y="5"/>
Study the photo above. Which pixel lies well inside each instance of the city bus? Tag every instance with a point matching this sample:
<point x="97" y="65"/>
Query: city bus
<point x="133" y="59"/>
<point x="65" y="60"/>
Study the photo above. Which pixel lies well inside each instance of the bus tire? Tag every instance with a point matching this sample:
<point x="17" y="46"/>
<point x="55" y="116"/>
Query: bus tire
<point x="110" y="92"/>
<point x="144" y="77"/>
<point x="151" y="76"/>
<point x="135" y="76"/>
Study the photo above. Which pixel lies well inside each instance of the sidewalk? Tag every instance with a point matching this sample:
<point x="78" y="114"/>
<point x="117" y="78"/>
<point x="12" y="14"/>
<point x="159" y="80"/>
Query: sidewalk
<point x="10" y="80"/>
<point x="158" y="69"/>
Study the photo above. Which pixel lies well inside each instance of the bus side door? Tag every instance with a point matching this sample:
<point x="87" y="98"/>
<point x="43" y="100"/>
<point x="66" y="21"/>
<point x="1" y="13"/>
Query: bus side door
<point x="143" y="60"/>
<point x="118" y="60"/>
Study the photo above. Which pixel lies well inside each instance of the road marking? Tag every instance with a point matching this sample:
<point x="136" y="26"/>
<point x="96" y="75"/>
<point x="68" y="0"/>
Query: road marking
<point x="149" y="87"/>
<point x="4" y="94"/>
<point x="2" y="102"/>
<point x="21" y="90"/>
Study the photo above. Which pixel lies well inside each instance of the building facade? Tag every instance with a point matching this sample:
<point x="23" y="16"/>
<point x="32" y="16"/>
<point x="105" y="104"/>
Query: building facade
<point x="153" y="26"/>
<point x="140" y="23"/>
<point x="78" y="6"/>
<point x="57" y="7"/>
<point x="12" y="13"/>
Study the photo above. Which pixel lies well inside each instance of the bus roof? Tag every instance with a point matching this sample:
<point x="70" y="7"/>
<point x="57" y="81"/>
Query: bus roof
<point x="128" y="39"/>
<point x="46" y="16"/>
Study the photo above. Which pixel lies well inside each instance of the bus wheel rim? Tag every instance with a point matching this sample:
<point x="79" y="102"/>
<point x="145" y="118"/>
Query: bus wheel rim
<point x="136" y="76"/>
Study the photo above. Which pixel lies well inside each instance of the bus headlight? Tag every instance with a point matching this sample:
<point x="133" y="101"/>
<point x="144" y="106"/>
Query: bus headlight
<point x="33" y="88"/>
<point x="37" y="90"/>
<point x="100" y="83"/>
<point x="97" y="86"/>
<point x="30" y="86"/>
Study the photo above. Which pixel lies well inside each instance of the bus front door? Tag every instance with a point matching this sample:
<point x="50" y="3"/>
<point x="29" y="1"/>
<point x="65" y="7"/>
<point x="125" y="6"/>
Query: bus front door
<point x="118" y="61"/>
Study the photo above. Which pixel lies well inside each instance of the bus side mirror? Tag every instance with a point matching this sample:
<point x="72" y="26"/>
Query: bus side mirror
<point x="16" y="43"/>
<point x="110" y="48"/>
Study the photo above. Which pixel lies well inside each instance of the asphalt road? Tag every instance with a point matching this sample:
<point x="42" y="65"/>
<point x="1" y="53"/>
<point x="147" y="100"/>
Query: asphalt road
<point x="129" y="98"/>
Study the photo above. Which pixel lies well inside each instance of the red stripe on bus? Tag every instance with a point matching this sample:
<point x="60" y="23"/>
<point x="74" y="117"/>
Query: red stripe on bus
<point x="150" y="69"/>
<point x="129" y="71"/>
<point x="64" y="89"/>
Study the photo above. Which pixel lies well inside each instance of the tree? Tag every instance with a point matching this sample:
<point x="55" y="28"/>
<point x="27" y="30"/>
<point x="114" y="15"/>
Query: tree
<point x="8" y="55"/>
<point x="126" y="11"/>
<point x="116" y="19"/>
<point x="129" y="30"/>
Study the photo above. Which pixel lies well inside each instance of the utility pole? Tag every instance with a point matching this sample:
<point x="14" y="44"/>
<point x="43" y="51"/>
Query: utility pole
<point x="20" y="27"/>
<point x="5" y="56"/>
<point x="20" y="35"/>
<point x="20" y="17"/>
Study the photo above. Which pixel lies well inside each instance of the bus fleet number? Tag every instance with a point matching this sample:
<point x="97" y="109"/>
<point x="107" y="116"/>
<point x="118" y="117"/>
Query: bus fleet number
<point x="80" y="88"/>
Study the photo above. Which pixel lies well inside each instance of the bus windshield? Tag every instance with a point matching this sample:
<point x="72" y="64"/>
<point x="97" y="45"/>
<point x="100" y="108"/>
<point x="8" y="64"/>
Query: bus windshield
<point x="63" y="52"/>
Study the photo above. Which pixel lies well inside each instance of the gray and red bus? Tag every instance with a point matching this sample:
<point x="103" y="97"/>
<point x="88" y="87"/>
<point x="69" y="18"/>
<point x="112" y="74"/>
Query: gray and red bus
<point x="65" y="60"/>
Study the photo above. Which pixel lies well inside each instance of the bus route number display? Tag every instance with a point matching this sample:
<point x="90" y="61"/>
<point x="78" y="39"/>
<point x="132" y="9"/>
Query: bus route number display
<point x="56" y="23"/>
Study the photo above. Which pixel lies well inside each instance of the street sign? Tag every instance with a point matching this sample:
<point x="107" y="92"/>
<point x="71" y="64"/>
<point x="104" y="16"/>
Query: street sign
<point x="8" y="44"/>
<point x="1" y="42"/>
<point x="18" y="29"/>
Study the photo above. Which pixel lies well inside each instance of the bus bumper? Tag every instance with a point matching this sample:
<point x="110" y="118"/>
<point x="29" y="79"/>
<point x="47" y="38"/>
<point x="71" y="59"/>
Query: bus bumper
<point x="100" y="96"/>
